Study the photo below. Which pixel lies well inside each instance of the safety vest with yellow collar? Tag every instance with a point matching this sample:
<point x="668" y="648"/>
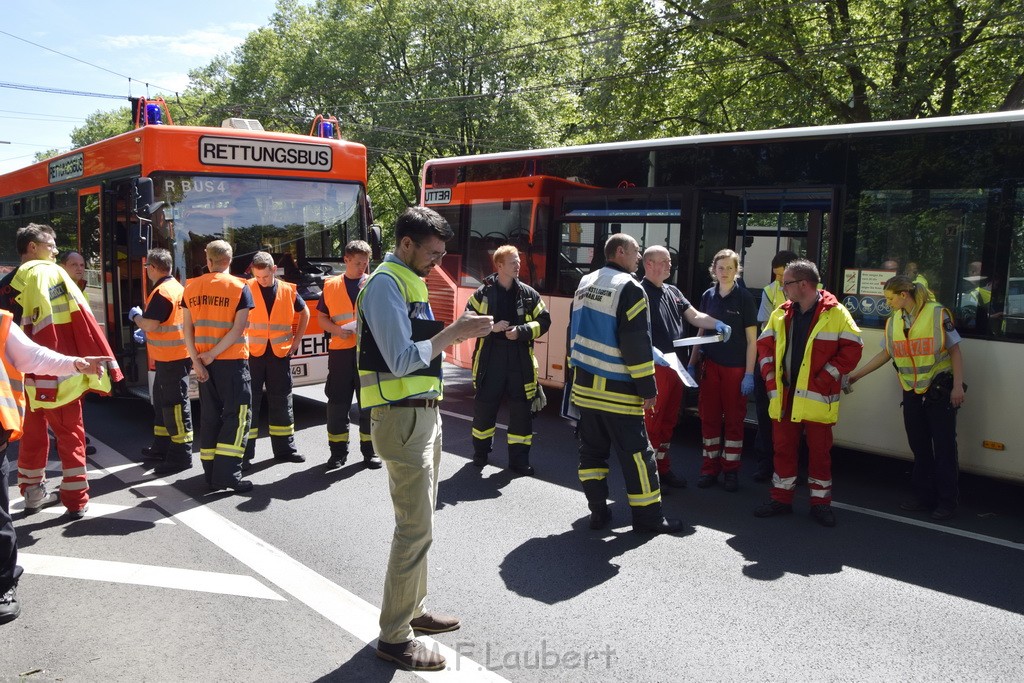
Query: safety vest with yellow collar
<point x="212" y="301"/>
<point x="834" y="347"/>
<point x="341" y="309"/>
<point x="380" y="388"/>
<point x="12" y="387"/>
<point x="274" y="327"/>
<point x="167" y="342"/>
<point x="920" y="353"/>
<point x="776" y="297"/>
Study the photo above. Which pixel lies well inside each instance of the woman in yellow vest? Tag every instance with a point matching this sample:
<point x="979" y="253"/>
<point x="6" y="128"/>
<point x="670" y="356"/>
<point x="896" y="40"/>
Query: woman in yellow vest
<point x="923" y="344"/>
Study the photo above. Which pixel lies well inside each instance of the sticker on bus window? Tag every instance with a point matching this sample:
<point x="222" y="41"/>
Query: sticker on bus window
<point x="440" y="196"/>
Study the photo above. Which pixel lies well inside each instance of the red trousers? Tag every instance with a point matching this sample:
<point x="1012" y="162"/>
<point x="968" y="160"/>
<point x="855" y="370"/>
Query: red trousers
<point x="661" y="422"/>
<point x="720" y="397"/>
<point x="786" y="437"/>
<point x="66" y="423"/>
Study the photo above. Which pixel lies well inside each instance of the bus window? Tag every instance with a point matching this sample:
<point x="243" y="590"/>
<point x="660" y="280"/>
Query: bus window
<point x="495" y="224"/>
<point x="1012" y="323"/>
<point x="303" y="223"/>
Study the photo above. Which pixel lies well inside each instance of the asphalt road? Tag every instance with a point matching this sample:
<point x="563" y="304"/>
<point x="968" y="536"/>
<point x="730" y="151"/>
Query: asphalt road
<point x="163" y="581"/>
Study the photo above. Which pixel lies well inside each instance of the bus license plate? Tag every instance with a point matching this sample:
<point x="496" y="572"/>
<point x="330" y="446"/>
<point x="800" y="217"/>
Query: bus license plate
<point x="299" y="370"/>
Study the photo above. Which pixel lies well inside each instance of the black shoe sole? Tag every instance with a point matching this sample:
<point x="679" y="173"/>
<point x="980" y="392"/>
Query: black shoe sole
<point x="409" y="667"/>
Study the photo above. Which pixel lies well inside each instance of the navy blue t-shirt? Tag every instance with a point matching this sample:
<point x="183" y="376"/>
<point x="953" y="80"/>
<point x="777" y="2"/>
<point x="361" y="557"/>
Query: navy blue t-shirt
<point x="737" y="310"/>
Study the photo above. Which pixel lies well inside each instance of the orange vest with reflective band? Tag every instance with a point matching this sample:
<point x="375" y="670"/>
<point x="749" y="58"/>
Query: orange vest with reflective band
<point x="212" y="301"/>
<point x="12" y="388"/>
<point x="275" y="328"/>
<point x="167" y="342"/>
<point x="341" y="309"/>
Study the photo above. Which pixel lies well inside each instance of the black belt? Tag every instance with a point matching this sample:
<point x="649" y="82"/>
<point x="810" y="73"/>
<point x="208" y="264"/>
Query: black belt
<point x="417" y="403"/>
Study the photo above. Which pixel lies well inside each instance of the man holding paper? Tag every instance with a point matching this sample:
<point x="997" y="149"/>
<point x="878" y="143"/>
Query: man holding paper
<point x="668" y="309"/>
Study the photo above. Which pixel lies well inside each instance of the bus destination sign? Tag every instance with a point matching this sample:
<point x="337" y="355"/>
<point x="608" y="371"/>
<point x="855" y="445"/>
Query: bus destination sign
<point x="66" y="168"/>
<point x="438" y="196"/>
<point x="223" y="151"/>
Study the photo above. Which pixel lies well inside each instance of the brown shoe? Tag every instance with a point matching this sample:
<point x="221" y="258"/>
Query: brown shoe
<point x="410" y="655"/>
<point x="435" y="623"/>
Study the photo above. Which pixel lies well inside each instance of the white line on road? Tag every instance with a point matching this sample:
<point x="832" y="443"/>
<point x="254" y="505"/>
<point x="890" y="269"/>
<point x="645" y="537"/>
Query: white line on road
<point x="930" y="525"/>
<point x="129" y="513"/>
<point x="344" y="609"/>
<point x="146" y="575"/>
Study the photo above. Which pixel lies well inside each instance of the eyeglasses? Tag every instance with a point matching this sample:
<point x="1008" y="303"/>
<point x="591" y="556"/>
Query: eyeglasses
<point x="433" y="255"/>
<point x="787" y="283"/>
<point x="49" y="245"/>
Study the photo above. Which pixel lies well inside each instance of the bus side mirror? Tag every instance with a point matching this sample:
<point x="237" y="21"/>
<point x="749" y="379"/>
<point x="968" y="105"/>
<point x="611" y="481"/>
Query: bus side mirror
<point x="145" y="205"/>
<point x="376" y="238"/>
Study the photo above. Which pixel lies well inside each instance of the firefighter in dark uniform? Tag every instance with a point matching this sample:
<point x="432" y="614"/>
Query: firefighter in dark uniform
<point x="216" y="313"/>
<point x="503" y="361"/>
<point x="613" y="385"/>
<point x="336" y="313"/>
<point x="271" y="347"/>
<point x="162" y="321"/>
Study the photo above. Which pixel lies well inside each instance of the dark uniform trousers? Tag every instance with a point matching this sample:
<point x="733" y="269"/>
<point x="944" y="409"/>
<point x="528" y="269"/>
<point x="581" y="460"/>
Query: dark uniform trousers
<point x="342" y="384"/>
<point x="225" y="400"/>
<point x="172" y="411"/>
<point x="503" y="377"/>
<point x="599" y="432"/>
<point x="763" y="441"/>
<point x="9" y="569"/>
<point x="931" y="431"/>
<point x="276" y="374"/>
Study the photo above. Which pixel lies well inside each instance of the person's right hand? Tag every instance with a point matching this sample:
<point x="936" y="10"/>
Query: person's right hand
<point x="202" y="374"/>
<point x="135" y="311"/>
<point x="500" y="326"/>
<point x="473" y="325"/>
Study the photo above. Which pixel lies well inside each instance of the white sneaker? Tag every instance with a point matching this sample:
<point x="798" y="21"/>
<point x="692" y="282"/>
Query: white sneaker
<point x="37" y="497"/>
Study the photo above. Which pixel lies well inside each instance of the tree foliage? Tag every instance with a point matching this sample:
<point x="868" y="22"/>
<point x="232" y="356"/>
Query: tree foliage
<point x="101" y="125"/>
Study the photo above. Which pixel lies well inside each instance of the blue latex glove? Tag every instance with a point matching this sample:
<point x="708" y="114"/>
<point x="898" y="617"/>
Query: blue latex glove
<point x="723" y="329"/>
<point x="747" y="385"/>
<point x="692" y="371"/>
<point x="139" y="336"/>
<point x="136" y="310"/>
<point x="659" y="357"/>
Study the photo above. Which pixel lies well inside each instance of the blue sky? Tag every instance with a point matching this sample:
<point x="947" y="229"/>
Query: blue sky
<point x="154" y="42"/>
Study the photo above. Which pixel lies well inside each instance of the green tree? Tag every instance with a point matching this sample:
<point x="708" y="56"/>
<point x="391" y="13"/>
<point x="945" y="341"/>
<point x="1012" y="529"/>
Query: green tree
<point x="47" y="154"/>
<point x="101" y="125"/>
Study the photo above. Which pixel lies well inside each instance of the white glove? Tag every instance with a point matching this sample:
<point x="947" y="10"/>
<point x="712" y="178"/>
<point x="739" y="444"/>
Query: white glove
<point x="136" y="310"/>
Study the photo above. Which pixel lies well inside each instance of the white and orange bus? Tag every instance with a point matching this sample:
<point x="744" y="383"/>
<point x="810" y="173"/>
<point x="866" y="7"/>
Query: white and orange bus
<point x="299" y="197"/>
<point x="941" y="198"/>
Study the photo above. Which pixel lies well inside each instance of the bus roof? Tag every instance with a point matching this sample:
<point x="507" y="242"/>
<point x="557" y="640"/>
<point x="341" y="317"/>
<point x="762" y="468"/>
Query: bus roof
<point x="806" y="132"/>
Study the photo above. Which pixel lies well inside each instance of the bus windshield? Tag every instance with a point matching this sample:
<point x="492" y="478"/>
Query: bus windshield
<point x="303" y="224"/>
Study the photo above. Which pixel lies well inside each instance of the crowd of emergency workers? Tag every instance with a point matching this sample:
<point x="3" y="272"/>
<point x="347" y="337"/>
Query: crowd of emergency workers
<point x="795" y="352"/>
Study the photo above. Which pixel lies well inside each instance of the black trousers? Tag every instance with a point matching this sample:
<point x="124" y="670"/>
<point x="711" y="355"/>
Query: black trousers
<point x="503" y="378"/>
<point x="342" y="383"/>
<point x="172" y="411"/>
<point x="763" y="447"/>
<point x="225" y="400"/>
<point x="931" y="432"/>
<point x="9" y="569"/>
<point x="599" y="433"/>
<point x="276" y="375"/>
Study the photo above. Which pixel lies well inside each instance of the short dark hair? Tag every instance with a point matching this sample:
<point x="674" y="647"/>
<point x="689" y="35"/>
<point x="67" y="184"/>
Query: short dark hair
<point x="418" y="223"/>
<point x="358" y="247"/>
<point x="619" y="239"/>
<point x="33" y="232"/>
<point x="805" y="270"/>
<point x="783" y="259"/>
<point x="161" y="258"/>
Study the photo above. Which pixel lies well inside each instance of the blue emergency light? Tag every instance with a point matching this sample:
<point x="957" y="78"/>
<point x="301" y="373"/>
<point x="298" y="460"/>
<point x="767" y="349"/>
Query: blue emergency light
<point x="154" y="115"/>
<point x="326" y="129"/>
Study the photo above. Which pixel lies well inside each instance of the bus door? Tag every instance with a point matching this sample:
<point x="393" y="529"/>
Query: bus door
<point x="89" y="244"/>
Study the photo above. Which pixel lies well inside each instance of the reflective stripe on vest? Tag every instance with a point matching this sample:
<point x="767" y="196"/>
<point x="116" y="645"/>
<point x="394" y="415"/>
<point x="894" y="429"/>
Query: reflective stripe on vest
<point x="167" y="342"/>
<point x="381" y="388"/>
<point x="341" y="309"/>
<point x="212" y="301"/>
<point x="922" y="355"/>
<point x="275" y="329"/>
<point x="12" y="388"/>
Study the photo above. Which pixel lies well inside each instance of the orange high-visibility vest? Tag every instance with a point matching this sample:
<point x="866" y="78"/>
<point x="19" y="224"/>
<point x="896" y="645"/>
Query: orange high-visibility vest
<point x="341" y="309"/>
<point x="275" y="328"/>
<point x="167" y="342"/>
<point x="212" y="301"/>
<point x="12" y="388"/>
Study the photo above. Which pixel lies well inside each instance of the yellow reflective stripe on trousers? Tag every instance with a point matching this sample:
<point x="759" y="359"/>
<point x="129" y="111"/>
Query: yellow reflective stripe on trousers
<point x="593" y="474"/>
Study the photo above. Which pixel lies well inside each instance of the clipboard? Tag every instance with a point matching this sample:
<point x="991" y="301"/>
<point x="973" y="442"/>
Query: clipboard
<point x="370" y="358"/>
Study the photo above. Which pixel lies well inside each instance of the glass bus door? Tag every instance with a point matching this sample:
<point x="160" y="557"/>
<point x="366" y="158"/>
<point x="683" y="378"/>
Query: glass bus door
<point x="89" y="227"/>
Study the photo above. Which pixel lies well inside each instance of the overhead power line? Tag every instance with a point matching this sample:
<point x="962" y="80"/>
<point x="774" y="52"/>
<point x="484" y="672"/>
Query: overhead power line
<point x="60" y="91"/>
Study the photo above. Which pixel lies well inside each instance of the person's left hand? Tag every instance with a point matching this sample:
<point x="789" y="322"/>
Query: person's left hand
<point x="206" y="358"/>
<point x="747" y="385"/>
<point x="512" y="333"/>
<point x="649" y="403"/>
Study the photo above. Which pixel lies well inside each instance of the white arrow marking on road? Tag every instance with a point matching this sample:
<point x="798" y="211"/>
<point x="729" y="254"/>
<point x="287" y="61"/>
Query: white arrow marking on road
<point x="145" y="575"/>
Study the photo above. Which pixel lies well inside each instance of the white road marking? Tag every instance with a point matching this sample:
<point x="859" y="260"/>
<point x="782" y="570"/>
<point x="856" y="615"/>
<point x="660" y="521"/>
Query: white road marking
<point x="930" y="525"/>
<point x="146" y="575"/>
<point x="344" y="609"/>
<point x="125" y="512"/>
<point x="469" y="418"/>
